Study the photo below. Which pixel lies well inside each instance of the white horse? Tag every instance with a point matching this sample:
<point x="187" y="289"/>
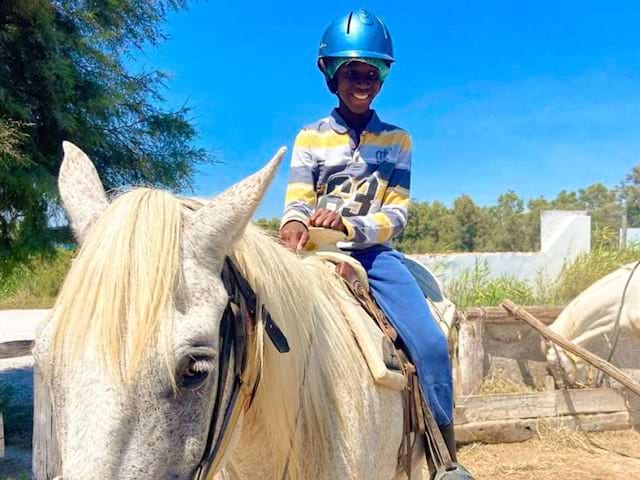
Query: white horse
<point x="608" y="308"/>
<point x="131" y="352"/>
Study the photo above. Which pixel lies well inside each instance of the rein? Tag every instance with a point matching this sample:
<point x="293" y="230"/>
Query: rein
<point x="237" y="337"/>
<point x="616" y="326"/>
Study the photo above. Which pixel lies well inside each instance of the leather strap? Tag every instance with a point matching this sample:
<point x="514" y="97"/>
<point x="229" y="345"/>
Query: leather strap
<point x="417" y="417"/>
<point x="409" y="424"/>
<point x="347" y="272"/>
<point x="236" y="338"/>
<point x="435" y="442"/>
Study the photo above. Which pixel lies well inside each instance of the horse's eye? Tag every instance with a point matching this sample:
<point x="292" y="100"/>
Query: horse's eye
<point x="196" y="372"/>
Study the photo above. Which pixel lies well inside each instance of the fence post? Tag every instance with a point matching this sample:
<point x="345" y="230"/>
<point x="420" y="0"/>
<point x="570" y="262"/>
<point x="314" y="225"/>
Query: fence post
<point x="470" y="353"/>
<point x="1" y="437"/>
<point x="46" y="463"/>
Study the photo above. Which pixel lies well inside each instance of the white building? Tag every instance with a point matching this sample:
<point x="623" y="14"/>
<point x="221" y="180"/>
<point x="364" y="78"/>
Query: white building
<point x="564" y="235"/>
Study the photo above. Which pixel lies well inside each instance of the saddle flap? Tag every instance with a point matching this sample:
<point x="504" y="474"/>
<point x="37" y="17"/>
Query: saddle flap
<point x="377" y="350"/>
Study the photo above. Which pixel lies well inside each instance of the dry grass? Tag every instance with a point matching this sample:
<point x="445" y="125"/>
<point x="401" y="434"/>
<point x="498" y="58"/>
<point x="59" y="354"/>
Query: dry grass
<point x="558" y="454"/>
<point x="554" y="437"/>
<point x="24" y="300"/>
<point x="497" y="382"/>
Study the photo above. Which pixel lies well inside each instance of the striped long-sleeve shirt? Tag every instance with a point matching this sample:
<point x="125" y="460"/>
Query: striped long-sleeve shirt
<point x="367" y="183"/>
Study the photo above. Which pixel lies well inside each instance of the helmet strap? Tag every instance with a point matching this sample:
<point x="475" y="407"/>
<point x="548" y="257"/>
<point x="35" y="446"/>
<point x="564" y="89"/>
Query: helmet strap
<point x="332" y="83"/>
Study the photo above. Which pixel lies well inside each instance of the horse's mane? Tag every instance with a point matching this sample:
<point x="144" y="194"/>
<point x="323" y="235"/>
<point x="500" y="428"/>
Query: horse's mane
<point x="304" y="298"/>
<point x="117" y="297"/>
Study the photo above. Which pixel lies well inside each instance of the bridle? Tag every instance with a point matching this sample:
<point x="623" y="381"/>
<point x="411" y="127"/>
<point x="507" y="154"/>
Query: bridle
<point x="238" y="337"/>
<point x="616" y="325"/>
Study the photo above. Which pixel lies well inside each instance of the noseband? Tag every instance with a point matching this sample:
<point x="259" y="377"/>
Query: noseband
<point x="237" y="337"/>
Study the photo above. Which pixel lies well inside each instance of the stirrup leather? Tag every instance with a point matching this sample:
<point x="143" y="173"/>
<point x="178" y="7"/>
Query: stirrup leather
<point x="417" y="416"/>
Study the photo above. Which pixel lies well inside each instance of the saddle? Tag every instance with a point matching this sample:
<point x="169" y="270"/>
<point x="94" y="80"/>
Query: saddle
<point x="389" y="364"/>
<point x="376" y="338"/>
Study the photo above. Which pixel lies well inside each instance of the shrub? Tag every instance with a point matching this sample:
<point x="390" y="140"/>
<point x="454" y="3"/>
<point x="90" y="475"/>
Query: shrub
<point x="33" y="280"/>
<point x="588" y="268"/>
<point x="476" y="287"/>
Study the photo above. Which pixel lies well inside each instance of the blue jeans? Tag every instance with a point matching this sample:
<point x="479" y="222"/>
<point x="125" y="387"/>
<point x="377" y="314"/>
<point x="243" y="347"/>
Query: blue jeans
<point x="399" y="296"/>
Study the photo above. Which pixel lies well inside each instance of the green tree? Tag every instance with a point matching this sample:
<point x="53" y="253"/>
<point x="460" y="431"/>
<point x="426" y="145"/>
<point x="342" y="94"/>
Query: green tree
<point x="507" y="228"/>
<point x="63" y="77"/>
<point x="431" y="227"/>
<point x="606" y="213"/>
<point x="468" y="218"/>
<point x="629" y="192"/>
<point x="269" y="224"/>
<point x="11" y="137"/>
<point x="566" y="201"/>
<point x="535" y="207"/>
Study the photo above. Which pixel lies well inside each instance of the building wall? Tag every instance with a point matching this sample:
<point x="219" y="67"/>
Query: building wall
<point x="633" y="236"/>
<point x="564" y="235"/>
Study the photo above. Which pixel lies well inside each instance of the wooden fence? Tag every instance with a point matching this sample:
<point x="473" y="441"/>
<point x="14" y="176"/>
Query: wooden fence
<point x="482" y="418"/>
<point x="1" y="437"/>
<point x="473" y="324"/>
<point x="507" y="418"/>
<point x="19" y="348"/>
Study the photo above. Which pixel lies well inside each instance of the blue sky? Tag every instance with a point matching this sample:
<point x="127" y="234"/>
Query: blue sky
<point x="536" y="97"/>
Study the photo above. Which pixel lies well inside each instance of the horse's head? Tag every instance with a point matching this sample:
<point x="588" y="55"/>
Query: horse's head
<point x="566" y="368"/>
<point x="130" y="355"/>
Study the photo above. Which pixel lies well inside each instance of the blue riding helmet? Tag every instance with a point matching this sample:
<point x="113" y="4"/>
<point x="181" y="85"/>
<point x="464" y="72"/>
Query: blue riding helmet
<point x="356" y="35"/>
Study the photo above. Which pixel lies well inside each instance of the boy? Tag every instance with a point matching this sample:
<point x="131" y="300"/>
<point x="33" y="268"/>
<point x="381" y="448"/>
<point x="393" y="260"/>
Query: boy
<point x="351" y="172"/>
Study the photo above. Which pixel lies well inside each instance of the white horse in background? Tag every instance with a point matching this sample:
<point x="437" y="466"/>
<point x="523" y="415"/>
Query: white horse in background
<point x="608" y="308"/>
<point x="130" y="353"/>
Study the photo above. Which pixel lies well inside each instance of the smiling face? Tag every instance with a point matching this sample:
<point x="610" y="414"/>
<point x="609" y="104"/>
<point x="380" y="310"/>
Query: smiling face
<point x="358" y="84"/>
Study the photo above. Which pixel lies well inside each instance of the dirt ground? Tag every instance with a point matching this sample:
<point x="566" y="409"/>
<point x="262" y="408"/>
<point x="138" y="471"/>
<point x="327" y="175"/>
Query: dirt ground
<point x="558" y="455"/>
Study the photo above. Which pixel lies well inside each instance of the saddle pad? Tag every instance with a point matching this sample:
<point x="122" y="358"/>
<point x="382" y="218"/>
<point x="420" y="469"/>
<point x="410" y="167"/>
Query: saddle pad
<point x="373" y="344"/>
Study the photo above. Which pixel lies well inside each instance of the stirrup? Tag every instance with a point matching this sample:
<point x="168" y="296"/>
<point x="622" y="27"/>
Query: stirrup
<point x="455" y="472"/>
<point x="436" y="448"/>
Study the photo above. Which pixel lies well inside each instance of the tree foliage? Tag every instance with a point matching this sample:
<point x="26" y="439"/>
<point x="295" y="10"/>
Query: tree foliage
<point x="64" y="76"/>
<point x="630" y="195"/>
<point x="509" y="225"/>
<point x="271" y="225"/>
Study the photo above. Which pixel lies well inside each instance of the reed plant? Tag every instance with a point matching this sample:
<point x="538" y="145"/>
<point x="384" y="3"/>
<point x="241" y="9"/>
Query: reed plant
<point x="587" y="268"/>
<point x="476" y="286"/>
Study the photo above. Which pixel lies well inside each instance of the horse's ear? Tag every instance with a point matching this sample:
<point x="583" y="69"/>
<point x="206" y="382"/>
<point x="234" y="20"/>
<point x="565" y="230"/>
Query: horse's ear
<point x="220" y="223"/>
<point x="81" y="191"/>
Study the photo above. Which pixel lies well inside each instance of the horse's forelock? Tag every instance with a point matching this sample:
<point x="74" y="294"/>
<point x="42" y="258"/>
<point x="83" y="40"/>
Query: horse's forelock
<point x="121" y="284"/>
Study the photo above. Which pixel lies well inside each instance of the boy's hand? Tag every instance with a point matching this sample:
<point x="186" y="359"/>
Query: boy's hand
<point x="294" y="234"/>
<point x="327" y="219"/>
